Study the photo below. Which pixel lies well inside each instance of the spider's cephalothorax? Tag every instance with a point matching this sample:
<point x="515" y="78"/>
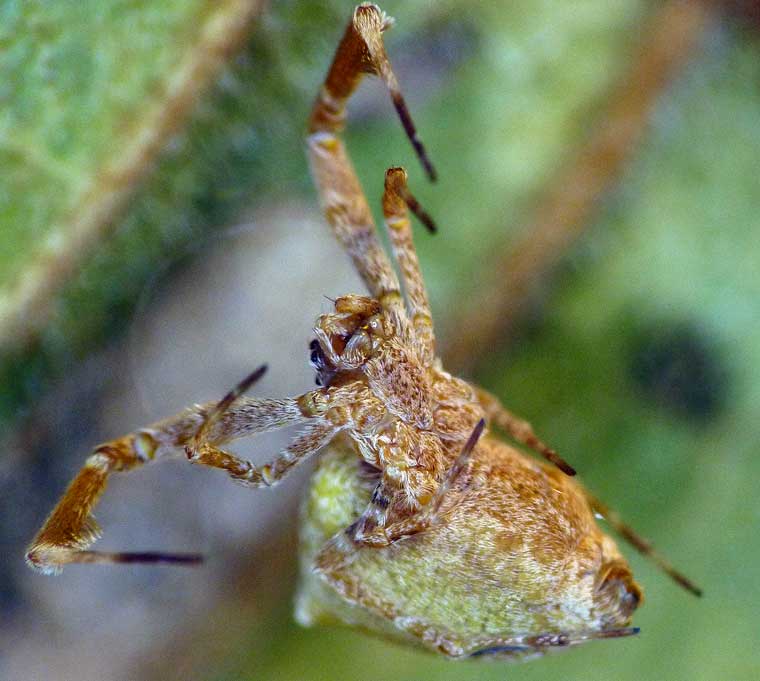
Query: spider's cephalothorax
<point x="419" y="524"/>
<point x="409" y="420"/>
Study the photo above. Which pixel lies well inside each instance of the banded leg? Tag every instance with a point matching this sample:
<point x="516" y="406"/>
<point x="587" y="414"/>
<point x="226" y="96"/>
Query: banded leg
<point x="376" y="527"/>
<point x="528" y="644"/>
<point x="315" y="436"/>
<point x="430" y="513"/>
<point x="70" y="529"/>
<point x="396" y="199"/>
<point x="523" y="432"/>
<point x="643" y="546"/>
<point x="360" y="52"/>
<point x="520" y="430"/>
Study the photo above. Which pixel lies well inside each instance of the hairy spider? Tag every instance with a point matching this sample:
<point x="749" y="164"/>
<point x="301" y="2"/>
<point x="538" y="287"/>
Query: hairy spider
<point x="451" y="539"/>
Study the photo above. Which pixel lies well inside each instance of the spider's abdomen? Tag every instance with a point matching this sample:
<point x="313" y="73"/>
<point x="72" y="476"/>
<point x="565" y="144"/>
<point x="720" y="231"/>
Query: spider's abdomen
<point x="516" y="551"/>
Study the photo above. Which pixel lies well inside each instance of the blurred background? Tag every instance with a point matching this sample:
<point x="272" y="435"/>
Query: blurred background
<point x="597" y="266"/>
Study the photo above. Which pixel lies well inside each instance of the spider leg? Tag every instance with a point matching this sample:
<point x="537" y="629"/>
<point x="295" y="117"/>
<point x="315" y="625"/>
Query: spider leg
<point x="518" y="429"/>
<point x="315" y="436"/>
<point x="369" y="529"/>
<point x="642" y="545"/>
<point x="70" y="529"/>
<point x="360" y="52"/>
<point x="377" y="527"/>
<point x="396" y="200"/>
<point x="386" y="517"/>
<point x="537" y="643"/>
<point x="370" y="22"/>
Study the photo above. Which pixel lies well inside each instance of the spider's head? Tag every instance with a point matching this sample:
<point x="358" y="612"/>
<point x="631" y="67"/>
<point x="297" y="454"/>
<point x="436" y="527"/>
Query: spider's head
<point x="348" y="337"/>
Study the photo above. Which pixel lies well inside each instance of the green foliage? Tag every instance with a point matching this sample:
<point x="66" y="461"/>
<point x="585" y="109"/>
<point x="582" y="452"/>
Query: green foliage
<point x="77" y="82"/>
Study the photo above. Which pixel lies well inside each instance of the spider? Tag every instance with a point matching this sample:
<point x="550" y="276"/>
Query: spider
<point x="453" y="540"/>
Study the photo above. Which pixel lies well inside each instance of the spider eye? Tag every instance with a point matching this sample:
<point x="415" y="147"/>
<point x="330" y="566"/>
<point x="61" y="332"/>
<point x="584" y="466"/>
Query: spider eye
<point x="315" y="356"/>
<point x="314" y="345"/>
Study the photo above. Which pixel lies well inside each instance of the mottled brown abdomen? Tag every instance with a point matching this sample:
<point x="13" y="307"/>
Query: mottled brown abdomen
<point x="516" y="553"/>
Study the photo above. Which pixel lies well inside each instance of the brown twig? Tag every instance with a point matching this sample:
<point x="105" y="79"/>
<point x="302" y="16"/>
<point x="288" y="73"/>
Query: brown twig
<point x="25" y="309"/>
<point x="569" y="202"/>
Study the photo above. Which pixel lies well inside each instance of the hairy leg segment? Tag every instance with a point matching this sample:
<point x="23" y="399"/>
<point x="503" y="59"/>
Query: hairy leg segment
<point x="70" y="529"/>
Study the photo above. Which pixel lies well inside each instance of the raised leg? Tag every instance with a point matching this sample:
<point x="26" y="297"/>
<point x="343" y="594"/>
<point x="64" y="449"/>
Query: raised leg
<point x="360" y="52"/>
<point x="396" y="200"/>
<point x="518" y="429"/>
<point x="642" y="545"/>
<point x="70" y="528"/>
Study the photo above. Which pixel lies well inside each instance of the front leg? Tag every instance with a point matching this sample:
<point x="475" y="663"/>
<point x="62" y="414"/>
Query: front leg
<point x="71" y="529"/>
<point x="359" y="53"/>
